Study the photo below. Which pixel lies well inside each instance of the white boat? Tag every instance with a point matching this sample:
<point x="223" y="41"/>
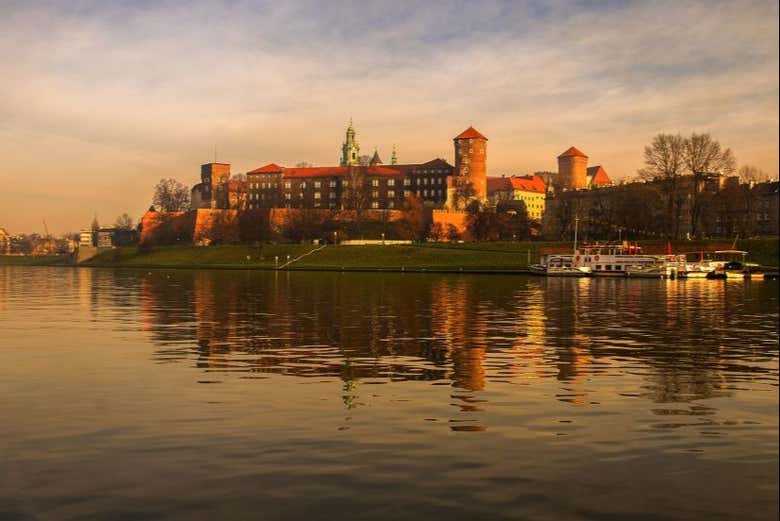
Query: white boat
<point x="558" y="266"/>
<point x="618" y="260"/>
<point x="731" y="264"/>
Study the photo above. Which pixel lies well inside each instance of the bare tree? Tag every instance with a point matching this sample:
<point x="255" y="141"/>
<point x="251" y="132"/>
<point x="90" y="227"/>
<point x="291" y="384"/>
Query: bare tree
<point x="664" y="164"/>
<point x="752" y="174"/>
<point x="171" y="196"/>
<point x="357" y="194"/>
<point x="124" y="222"/>
<point x="704" y="158"/>
<point x="411" y="226"/>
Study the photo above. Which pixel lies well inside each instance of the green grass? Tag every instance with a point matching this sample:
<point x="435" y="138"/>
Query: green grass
<point x="197" y="256"/>
<point x="35" y="260"/>
<point x="432" y="256"/>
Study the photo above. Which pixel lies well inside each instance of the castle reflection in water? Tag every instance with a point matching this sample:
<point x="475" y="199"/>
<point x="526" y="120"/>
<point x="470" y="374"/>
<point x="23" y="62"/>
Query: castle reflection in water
<point x="441" y="328"/>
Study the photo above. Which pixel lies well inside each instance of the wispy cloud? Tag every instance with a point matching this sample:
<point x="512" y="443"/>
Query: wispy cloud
<point x="102" y="99"/>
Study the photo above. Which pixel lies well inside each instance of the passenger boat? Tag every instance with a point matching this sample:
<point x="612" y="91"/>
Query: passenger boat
<point x="558" y="266"/>
<point x="618" y="260"/>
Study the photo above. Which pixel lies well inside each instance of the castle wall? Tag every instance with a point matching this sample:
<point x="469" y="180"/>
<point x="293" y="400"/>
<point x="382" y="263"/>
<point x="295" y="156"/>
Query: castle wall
<point x="453" y="217"/>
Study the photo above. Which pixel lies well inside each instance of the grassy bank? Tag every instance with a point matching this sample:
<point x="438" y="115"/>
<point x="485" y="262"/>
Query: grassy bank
<point x="35" y="260"/>
<point x="498" y="256"/>
<point x="494" y="256"/>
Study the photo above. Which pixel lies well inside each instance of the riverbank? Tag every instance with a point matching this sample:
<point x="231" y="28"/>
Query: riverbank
<point x="480" y="257"/>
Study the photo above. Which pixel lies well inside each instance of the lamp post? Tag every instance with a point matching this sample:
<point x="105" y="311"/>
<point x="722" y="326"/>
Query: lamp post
<point x="335" y="237"/>
<point x="576" y="226"/>
<point x="383" y="237"/>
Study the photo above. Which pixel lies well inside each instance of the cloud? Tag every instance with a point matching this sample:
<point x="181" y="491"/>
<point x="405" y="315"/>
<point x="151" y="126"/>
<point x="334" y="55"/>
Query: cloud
<point x="102" y="99"/>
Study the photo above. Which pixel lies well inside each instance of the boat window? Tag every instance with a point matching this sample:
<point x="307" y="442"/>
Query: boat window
<point x="609" y="267"/>
<point x="617" y="266"/>
<point x="598" y="266"/>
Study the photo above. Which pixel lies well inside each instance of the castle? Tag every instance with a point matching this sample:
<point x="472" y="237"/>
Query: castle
<point x="360" y="182"/>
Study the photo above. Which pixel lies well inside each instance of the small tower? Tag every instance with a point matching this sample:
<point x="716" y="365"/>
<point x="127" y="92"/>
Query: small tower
<point x="573" y="170"/>
<point x="471" y="160"/>
<point x="350" y="150"/>
<point x="375" y="160"/>
<point x="394" y="158"/>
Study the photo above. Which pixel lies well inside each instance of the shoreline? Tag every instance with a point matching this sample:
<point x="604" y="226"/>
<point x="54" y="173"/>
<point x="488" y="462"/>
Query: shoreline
<point x="504" y="258"/>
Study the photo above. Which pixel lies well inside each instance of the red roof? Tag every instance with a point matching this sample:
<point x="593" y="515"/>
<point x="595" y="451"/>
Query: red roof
<point x="269" y="168"/>
<point x="526" y="183"/>
<point x="573" y="152"/>
<point x="470" y="133"/>
<point x="498" y="184"/>
<point x="340" y="171"/>
<point x="598" y="176"/>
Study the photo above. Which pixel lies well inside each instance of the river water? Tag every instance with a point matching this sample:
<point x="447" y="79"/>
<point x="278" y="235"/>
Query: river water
<point x="183" y="394"/>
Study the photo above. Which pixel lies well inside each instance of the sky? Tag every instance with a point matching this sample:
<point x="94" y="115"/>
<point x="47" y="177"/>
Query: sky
<point x="100" y="100"/>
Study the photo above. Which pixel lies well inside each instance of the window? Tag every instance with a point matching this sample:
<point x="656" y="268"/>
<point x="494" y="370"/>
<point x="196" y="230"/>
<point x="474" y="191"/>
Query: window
<point x="391" y="204"/>
<point x="303" y="185"/>
<point x="316" y="195"/>
<point x="407" y="181"/>
<point x="345" y="183"/>
<point x="375" y="182"/>
<point x="425" y="193"/>
<point x="391" y="182"/>
<point x="287" y="184"/>
<point x="332" y="195"/>
<point x="317" y="184"/>
<point x="407" y="193"/>
<point x="391" y="193"/>
<point x="375" y="205"/>
<point x="288" y="196"/>
<point x="332" y="184"/>
<point x="375" y="194"/>
<point x="598" y="266"/>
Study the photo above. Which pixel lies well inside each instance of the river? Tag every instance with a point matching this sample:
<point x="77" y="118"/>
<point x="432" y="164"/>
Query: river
<point x="187" y="394"/>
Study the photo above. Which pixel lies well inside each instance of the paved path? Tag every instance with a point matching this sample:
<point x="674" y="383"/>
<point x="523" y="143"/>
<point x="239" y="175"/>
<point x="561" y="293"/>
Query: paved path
<point x="299" y="257"/>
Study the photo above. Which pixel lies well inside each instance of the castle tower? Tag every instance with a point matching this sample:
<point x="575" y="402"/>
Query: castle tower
<point x="471" y="160"/>
<point x="350" y="150"/>
<point x="394" y="158"/>
<point x="375" y="160"/>
<point x="572" y="170"/>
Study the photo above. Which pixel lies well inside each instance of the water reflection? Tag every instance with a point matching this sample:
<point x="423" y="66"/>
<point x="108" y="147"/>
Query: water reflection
<point x="687" y="340"/>
<point x="293" y="394"/>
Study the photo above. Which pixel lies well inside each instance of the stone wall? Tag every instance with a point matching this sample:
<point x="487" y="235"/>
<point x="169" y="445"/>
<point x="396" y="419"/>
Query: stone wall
<point x="455" y="218"/>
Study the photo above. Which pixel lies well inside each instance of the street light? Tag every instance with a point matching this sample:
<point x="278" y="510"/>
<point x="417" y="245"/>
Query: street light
<point x="335" y="237"/>
<point x="383" y="237"/>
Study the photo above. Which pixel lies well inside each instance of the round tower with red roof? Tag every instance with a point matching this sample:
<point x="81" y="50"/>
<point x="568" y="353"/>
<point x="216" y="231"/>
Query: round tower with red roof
<point x="471" y="160"/>
<point x="573" y="170"/>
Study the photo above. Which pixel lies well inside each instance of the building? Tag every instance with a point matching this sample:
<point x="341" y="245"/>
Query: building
<point x="216" y="188"/>
<point x="574" y="173"/>
<point x="767" y="207"/>
<point x="471" y="160"/>
<point x="87" y="237"/>
<point x="5" y="242"/>
<point x="530" y="189"/>
<point x="356" y="184"/>
<point x="350" y="187"/>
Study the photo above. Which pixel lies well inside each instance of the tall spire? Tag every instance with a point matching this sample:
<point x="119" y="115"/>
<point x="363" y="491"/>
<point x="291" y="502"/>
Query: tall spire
<point x="394" y="158"/>
<point x="350" y="150"/>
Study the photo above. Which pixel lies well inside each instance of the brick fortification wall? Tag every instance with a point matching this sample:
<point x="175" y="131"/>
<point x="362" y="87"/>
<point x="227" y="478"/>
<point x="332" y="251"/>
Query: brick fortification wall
<point x="455" y="218"/>
<point x="166" y="228"/>
<point x="205" y="226"/>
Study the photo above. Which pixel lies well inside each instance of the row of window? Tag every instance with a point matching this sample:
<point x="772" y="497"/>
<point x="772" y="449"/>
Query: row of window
<point x="375" y="194"/>
<point x="332" y="183"/>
